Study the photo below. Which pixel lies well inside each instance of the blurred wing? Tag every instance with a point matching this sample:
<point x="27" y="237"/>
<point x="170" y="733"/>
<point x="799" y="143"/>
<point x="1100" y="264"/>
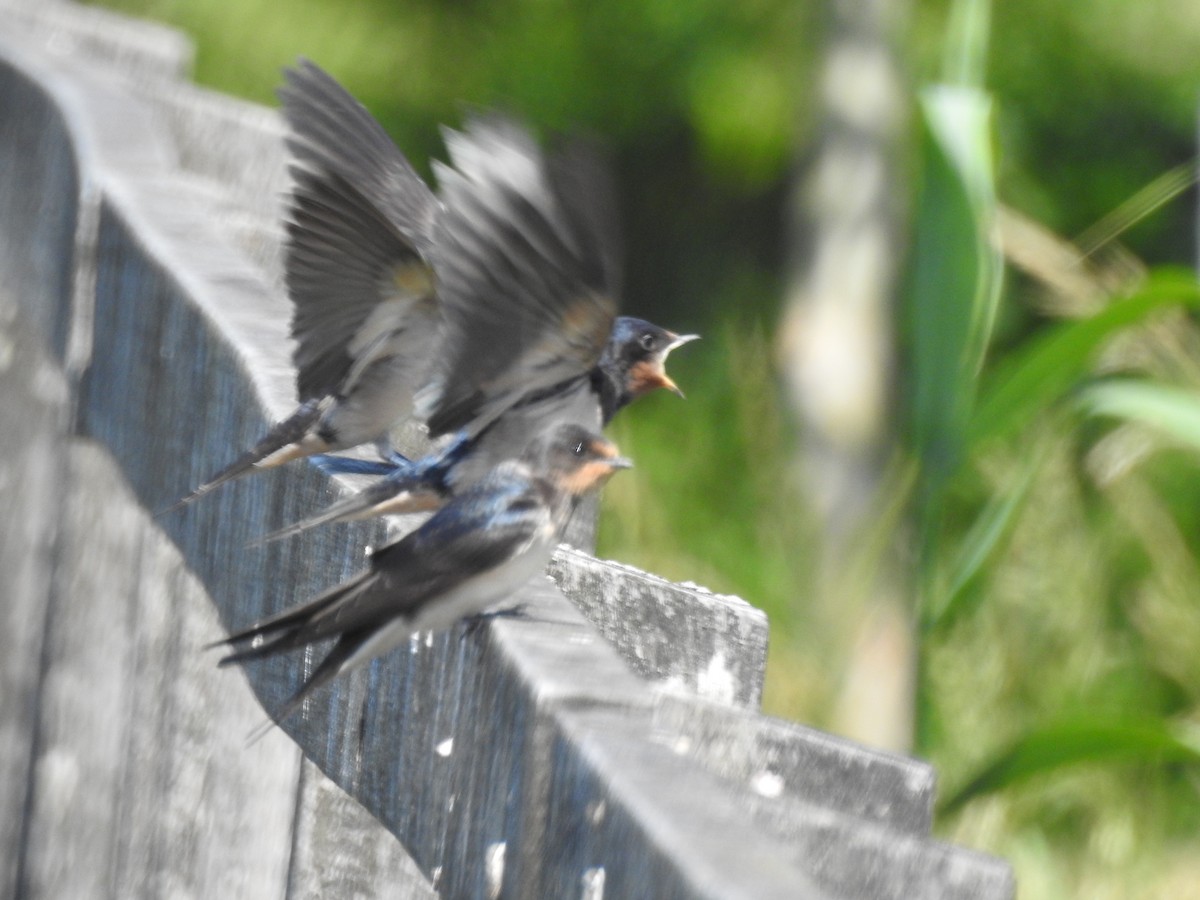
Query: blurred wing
<point x="333" y="132"/>
<point x="527" y="269"/>
<point x="358" y="236"/>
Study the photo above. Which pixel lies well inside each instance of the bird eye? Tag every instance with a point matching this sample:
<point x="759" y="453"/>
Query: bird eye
<point x="647" y="341"/>
<point x="578" y="450"/>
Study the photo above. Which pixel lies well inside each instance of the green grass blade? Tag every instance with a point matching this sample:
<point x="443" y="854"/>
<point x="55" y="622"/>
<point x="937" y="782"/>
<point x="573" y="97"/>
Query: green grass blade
<point x="980" y="543"/>
<point x="1038" y="375"/>
<point x="968" y="32"/>
<point x="955" y="274"/>
<point x="1078" y="741"/>
<point x="1171" y="410"/>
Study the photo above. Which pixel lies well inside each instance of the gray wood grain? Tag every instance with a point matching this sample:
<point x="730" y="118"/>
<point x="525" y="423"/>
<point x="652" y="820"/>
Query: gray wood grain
<point x="194" y="823"/>
<point x="83" y="701"/>
<point x="133" y="791"/>
<point x="33" y="414"/>
<point x="342" y="851"/>
<point x="690" y="639"/>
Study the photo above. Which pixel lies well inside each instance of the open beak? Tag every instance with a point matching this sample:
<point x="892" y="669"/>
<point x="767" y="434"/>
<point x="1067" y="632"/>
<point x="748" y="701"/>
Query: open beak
<point x="677" y="341"/>
<point x="669" y="385"/>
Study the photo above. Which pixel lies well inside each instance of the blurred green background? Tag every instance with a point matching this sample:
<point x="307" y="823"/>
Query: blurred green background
<point x="1037" y="511"/>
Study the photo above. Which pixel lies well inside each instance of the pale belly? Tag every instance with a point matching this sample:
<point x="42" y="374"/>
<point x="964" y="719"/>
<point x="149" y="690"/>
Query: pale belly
<point x="382" y="397"/>
<point x="470" y="598"/>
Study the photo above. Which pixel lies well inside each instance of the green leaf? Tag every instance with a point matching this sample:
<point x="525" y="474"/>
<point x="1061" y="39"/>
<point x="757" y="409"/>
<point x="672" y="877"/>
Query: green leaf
<point x="955" y="272"/>
<point x="1042" y="372"/>
<point x="1174" y="411"/>
<point x="1079" y="741"/>
<point x="965" y="53"/>
<point x="980" y="543"/>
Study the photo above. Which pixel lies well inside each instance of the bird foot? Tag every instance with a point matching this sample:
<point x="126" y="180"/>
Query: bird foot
<point x="475" y="622"/>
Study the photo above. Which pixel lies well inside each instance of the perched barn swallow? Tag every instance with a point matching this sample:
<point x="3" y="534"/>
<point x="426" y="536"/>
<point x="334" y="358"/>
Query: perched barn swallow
<point x="360" y="229"/>
<point x="474" y="552"/>
<point x="633" y="364"/>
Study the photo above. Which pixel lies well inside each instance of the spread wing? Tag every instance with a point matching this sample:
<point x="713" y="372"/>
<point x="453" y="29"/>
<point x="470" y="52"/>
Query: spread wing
<point x="359" y="231"/>
<point x="527" y="267"/>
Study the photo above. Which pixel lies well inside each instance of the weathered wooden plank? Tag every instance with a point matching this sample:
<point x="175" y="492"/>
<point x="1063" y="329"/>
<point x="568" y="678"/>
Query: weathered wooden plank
<point x="191" y="823"/>
<point x="230" y="142"/>
<point x="777" y="759"/>
<point x="142" y="50"/>
<point x="632" y="817"/>
<point x="82" y="704"/>
<point x="33" y="416"/>
<point x="133" y="793"/>
<point x="36" y="255"/>
<point x="708" y="644"/>
<point x="341" y="851"/>
<point x="610" y="783"/>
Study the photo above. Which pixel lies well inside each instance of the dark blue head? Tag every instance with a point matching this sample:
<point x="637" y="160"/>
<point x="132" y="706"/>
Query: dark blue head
<point x="634" y="360"/>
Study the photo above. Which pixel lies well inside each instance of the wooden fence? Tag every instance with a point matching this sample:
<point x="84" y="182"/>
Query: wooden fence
<point x="608" y="748"/>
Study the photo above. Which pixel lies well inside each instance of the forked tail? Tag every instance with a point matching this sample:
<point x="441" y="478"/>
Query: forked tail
<point x="290" y="431"/>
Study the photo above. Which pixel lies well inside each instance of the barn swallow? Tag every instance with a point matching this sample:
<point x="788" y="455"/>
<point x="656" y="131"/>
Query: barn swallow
<point x="479" y="548"/>
<point x="633" y="364"/>
<point x="360" y="231"/>
<point x="528" y="265"/>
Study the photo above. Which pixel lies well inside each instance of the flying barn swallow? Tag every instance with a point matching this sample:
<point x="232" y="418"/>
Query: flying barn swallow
<point x="479" y="548"/>
<point x="360" y="230"/>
